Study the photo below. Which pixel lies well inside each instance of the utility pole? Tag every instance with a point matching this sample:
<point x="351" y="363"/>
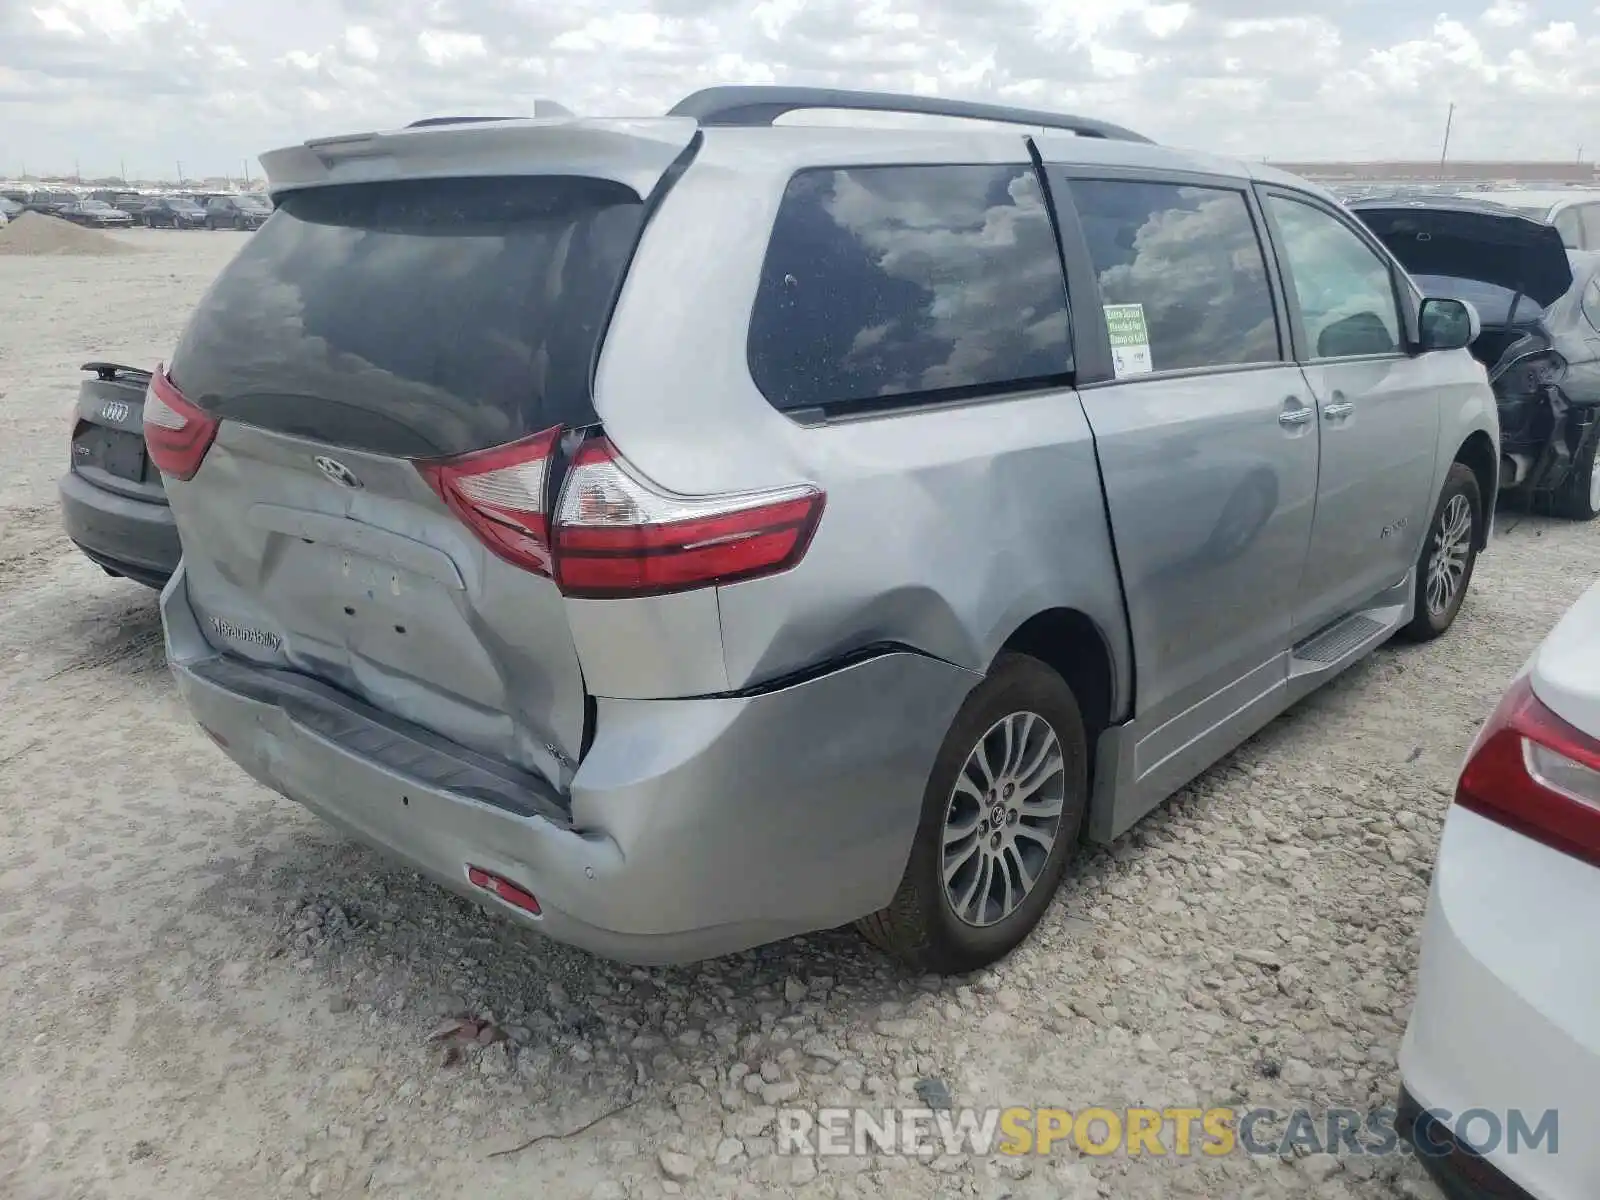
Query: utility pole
<point x="77" y="175"/>
<point x="1445" y="151"/>
<point x="122" y="165"/>
<point x="180" y="172"/>
<point x="247" y="174"/>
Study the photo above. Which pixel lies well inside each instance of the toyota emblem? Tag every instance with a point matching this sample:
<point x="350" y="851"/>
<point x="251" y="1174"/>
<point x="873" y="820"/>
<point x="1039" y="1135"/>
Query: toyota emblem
<point x="337" y="471"/>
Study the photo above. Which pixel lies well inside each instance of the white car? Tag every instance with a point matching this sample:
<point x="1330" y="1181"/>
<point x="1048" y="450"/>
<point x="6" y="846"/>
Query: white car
<point x="1501" y="1059"/>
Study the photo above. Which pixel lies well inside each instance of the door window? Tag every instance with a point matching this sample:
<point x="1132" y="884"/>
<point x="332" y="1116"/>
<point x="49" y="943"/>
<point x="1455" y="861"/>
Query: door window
<point x="1344" y="290"/>
<point x="1181" y="275"/>
<point x="906" y="282"/>
<point x="1591" y="226"/>
<point x="1567" y="223"/>
<point x="1591" y="303"/>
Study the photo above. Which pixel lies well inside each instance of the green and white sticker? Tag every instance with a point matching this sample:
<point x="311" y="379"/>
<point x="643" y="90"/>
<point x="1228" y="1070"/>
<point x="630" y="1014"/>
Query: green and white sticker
<point x="1130" y="339"/>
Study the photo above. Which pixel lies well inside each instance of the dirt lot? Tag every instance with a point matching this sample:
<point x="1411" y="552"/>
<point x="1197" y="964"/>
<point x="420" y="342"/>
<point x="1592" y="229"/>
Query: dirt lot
<point x="205" y="992"/>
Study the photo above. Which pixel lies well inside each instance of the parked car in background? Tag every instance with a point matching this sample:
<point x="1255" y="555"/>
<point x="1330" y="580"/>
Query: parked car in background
<point x="132" y="203"/>
<point x="1575" y="212"/>
<point x="237" y="212"/>
<point x="461" y="576"/>
<point x="173" y="212"/>
<point x="1505" y="1019"/>
<point x="49" y="203"/>
<point x="1539" y="307"/>
<point x="96" y="213"/>
<point x="113" y="504"/>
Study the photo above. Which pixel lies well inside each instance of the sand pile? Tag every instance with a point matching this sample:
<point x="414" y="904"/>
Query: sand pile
<point x="35" y="233"/>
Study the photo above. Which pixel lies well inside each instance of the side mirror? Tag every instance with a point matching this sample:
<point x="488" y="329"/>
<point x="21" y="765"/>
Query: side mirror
<point x="1445" y="324"/>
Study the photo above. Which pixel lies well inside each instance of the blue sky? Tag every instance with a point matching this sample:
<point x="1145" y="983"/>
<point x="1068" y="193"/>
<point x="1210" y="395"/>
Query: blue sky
<point x="212" y="82"/>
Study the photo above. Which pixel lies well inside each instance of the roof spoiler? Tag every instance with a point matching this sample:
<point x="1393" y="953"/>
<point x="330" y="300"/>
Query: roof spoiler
<point x="758" y="105"/>
<point x="541" y="108"/>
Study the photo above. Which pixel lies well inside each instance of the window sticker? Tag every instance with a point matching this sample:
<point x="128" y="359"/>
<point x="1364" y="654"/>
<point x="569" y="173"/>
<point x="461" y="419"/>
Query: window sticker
<point x="1130" y="339"/>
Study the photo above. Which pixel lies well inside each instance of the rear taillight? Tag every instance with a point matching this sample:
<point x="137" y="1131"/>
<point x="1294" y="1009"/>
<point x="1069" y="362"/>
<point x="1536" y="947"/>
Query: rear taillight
<point x="619" y="535"/>
<point x="615" y="534"/>
<point x="176" y="432"/>
<point x="1532" y="772"/>
<point x="501" y="495"/>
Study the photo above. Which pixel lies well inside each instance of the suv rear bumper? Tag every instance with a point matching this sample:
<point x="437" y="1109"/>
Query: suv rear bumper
<point x="693" y="828"/>
<point x="129" y="537"/>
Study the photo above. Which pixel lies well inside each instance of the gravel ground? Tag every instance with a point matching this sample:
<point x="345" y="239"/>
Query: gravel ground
<point x="204" y="991"/>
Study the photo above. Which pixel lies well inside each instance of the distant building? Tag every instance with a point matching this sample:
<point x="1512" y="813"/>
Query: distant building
<point x="1456" y="170"/>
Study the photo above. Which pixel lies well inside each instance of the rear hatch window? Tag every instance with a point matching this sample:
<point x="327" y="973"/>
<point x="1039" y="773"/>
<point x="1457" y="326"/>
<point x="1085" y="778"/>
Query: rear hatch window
<point x="415" y="318"/>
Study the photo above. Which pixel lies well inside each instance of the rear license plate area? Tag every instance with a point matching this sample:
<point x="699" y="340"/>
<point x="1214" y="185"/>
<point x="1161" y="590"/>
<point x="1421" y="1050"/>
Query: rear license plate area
<point x="115" y="451"/>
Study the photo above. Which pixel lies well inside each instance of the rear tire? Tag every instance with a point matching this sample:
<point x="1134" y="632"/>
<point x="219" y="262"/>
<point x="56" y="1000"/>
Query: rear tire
<point x="1449" y="553"/>
<point x="964" y="901"/>
<point x="1578" y="499"/>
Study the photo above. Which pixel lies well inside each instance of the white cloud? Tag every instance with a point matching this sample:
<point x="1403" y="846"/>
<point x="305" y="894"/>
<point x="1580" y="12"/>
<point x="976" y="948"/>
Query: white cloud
<point x="1164" y="20"/>
<point x="442" y="46"/>
<point x="1506" y="13"/>
<point x="215" y="80"/>
<point x="360" y="43"/>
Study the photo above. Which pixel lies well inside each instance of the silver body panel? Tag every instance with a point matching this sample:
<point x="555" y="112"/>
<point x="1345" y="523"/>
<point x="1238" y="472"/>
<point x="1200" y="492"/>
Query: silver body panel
<point x="1226" y="562"/>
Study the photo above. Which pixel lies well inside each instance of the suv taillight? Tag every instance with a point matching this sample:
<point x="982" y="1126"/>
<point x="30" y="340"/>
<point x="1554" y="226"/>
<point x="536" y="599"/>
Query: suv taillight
<point x="1534" y="773"/>
<point x="500" y="494"/>
<point x="176" y="432"/>
<point x="615" y="534"/>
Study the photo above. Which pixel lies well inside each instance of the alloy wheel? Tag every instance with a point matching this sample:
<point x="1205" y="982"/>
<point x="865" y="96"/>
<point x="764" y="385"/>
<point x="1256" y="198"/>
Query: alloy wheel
<point x="1447" y="565"/>
<point x="1002" y="819"/>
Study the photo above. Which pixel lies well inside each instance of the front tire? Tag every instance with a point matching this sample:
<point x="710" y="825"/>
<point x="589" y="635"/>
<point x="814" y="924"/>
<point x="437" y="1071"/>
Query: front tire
<point x="1578" y="498"/>
<point x="1449" y="553"/>
<point x="1001" y="815"/>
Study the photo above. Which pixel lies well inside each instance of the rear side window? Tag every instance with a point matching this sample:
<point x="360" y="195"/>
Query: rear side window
<point x="908" y="282"/>
<point x="1181" y="274"/>
<point x="418" y="318"/>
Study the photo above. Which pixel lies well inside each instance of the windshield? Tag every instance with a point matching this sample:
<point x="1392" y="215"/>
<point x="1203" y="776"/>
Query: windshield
<point x="255" y="202"/>
<point x="97" y="204"/>
<point x="183" y="205"/>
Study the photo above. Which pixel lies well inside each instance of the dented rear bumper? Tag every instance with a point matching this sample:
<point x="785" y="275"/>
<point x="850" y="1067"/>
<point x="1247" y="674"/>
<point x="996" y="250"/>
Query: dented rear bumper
<point x="693" y="828"/>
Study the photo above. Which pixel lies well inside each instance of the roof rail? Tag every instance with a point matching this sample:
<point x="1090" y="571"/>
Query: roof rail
<point x="541" y="108"/>
<point x="758" y="104"/>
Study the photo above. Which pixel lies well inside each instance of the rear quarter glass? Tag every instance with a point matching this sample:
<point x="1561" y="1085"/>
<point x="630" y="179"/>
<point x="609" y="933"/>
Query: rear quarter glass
<point x="415" y="318"/>
<point x="880" y="284"/>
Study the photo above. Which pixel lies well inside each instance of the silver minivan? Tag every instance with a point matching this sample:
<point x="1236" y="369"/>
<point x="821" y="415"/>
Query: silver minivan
<point x="685" y="532"/>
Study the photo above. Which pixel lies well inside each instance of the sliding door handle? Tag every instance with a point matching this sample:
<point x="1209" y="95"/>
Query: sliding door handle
<point x="1333" y="412"/>
<point x="1297" y="416"/>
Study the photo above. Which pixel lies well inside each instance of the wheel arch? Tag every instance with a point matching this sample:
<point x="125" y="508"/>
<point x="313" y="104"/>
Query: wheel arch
<point x="1477" y="453"/>
<point x="1074" y="646"/>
